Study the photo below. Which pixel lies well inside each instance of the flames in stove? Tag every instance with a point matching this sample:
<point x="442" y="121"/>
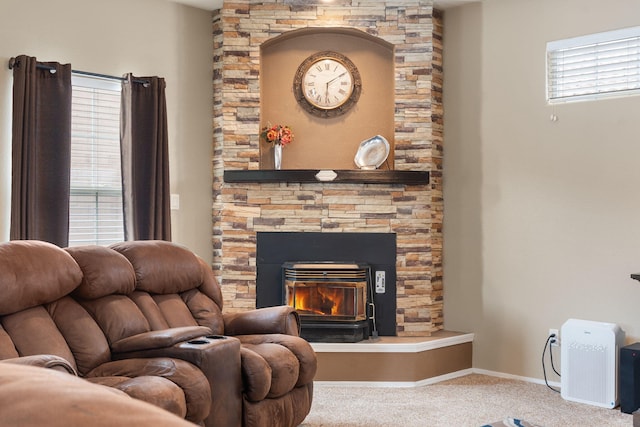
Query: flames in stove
<point x="328" y="292"/>
<point x="318" y="299"/>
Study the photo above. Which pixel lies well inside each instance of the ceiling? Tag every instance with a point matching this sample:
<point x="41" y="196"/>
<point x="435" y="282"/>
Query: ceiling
<point x="217" y="4"/>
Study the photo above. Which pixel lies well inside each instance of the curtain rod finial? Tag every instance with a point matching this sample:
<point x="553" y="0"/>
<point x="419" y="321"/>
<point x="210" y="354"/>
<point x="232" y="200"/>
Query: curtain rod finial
<point x="12" y="62"/>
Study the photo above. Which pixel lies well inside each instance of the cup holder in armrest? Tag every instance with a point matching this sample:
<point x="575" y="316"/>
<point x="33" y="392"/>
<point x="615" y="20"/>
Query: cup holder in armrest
<point x="198" y="342"/>
<point x="208" y="339"/>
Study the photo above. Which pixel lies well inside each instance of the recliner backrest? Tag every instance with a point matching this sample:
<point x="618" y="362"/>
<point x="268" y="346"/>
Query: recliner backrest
<point x="108" y="279"/>
<point x="82" y="334"/>
<point x="33" y="273"/>
<point x="174" y="287"/>
<point x="36" y="314"/>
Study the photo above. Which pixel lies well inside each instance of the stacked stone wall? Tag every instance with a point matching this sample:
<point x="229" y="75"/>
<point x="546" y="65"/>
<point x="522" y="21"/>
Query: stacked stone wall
<point x="414" y="213"/>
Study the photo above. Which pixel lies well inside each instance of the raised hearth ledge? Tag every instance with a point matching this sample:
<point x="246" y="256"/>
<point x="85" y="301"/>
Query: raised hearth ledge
<point x="342" y="176"/>
<point x="396" y="361"/>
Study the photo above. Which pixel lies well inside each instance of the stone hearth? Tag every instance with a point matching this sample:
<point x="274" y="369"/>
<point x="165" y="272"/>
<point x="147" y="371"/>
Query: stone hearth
<point x="412" y="212"/>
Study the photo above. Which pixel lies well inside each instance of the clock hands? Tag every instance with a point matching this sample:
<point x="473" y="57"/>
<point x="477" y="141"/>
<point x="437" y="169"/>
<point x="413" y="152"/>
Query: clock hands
<point x="326" y="92"/>
<point x="335" y="78"/>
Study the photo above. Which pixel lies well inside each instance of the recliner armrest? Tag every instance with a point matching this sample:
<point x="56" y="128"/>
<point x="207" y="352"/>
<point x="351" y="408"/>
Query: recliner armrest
<point x="270" y="320"/>
<point x="49" y="361"/>
<point x="159" y="339"/>
<point x="219" y="358"/>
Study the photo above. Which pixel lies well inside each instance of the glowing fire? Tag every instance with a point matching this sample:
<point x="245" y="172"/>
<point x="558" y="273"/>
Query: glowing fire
<point x="320" y="299"/>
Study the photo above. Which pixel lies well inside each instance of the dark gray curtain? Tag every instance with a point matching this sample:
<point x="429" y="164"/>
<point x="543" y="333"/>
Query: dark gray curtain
<point x="145" y="159"/>
<point x="41" y="151"/>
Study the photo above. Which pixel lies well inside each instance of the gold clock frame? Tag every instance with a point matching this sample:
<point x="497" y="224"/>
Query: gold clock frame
<point x="338" y="110"/>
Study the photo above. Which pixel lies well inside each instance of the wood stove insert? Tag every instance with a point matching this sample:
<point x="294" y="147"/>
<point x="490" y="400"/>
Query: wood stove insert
<point x="332" y="299"/>
<point x="376" y="250"/>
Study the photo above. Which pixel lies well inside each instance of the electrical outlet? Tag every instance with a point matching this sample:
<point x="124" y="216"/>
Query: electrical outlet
<point x="380" y="282"/>
<point x="555" y="341"/>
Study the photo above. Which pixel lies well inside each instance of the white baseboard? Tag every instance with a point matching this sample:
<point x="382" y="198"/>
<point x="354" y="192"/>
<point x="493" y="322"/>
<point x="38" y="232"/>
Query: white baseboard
<point x="398" y="384"/>
<point x="513" y="377"/>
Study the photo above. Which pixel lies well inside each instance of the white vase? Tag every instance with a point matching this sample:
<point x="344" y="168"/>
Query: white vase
<point x="277" y="156"/>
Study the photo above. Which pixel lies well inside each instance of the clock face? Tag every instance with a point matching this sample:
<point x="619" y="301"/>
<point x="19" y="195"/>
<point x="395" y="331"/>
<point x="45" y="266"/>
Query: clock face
<point x="327" y="84"/>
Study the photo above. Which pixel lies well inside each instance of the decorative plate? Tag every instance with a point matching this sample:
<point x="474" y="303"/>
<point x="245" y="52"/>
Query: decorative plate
<point x="372" y="152"/>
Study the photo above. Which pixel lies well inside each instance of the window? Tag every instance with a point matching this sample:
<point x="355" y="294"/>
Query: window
<point x="95" y="205"/>
<point x="594" y="66"/>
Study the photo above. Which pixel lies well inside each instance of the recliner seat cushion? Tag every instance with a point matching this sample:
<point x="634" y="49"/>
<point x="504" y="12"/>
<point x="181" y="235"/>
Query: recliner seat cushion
<point x="158" y="391"/>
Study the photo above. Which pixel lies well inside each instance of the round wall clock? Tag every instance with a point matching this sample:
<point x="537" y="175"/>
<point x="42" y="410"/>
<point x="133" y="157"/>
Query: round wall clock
<point x="327" y="84"/>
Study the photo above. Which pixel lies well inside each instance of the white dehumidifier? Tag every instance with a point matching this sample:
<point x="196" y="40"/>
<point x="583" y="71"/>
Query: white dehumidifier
<point x="589" y="363"/>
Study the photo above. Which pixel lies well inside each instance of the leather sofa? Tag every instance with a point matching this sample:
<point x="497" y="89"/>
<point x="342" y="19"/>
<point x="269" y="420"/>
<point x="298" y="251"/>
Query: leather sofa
<point x="146" y="318"/>
<point x="38" y="317"/>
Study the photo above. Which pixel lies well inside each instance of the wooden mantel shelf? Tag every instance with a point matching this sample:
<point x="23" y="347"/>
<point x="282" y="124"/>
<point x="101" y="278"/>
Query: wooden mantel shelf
<point x="342" y="176"/>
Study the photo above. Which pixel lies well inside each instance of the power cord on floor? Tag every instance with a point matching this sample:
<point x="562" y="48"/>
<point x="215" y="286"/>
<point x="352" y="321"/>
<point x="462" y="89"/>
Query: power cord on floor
<point x="544" y="370"/>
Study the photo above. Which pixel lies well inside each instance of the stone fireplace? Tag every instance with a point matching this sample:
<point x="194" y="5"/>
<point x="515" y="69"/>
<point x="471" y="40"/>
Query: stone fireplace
<point x="411" y="211"/>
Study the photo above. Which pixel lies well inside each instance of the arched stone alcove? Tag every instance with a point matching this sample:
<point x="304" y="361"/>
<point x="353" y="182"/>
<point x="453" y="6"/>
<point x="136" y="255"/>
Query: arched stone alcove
<point x="327" y="143"/>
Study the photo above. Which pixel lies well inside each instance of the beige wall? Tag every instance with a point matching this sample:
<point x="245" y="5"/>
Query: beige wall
<point x="146" y="37"/>
<point x="542" y="218"/>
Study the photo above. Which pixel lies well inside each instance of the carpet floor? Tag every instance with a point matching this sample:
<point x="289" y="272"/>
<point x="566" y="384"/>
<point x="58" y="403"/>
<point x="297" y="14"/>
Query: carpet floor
<point x="469" y="401"/>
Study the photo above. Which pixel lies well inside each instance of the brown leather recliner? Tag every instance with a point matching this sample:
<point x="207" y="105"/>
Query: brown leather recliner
<point x="270" y="380"/>
<point x="176" y="288"/>
<point x="107" y="294"/>
<point x="37" y="317"/>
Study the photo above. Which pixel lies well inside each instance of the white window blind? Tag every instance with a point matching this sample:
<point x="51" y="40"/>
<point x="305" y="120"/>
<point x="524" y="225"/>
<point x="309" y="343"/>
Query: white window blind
<point x="95" y="206"/>
<point x="594" y="66"/>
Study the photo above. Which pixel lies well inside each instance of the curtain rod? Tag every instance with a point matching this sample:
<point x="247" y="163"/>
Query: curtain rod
<point x="13" y="63"/>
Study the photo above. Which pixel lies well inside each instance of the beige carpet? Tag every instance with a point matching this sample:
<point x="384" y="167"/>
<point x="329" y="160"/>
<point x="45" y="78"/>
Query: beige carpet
<point x="469" y="401"/>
